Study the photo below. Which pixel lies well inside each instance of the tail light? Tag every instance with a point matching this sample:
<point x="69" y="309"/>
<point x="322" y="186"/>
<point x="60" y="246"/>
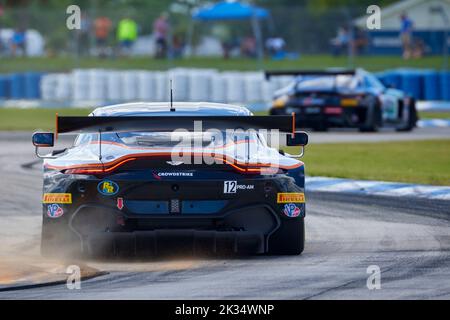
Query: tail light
<point x="333" y="110"/>
<point x="99" y="169"/>
<point x="254" y="168"/>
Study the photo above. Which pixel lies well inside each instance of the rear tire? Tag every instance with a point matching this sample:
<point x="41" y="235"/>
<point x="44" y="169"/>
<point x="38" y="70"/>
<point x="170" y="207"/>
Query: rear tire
<point x="289" y="239"/>
<point x="373" y="120"/>
<point x="412" y="119"/>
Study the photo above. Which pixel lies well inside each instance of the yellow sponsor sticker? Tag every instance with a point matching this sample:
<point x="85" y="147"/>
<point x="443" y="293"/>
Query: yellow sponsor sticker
<point x="291" y="197"/>
<point x="64" y="198"/>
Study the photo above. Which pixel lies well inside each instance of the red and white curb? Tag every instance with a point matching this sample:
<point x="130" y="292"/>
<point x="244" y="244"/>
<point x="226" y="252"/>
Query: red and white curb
<point x="379" y="188"/>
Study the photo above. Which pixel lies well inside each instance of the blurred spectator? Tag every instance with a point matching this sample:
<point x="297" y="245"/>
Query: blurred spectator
<point x="18" y="42"/>
<point x="83" y="35"/>
<point x="102" y="27"/>
<point x="275" y="47"/>
<point x="160" y="30"/>
<point x="341" y="42"/>
<point x="227" y="46"/>
<point x="359" y="41"/>
<point x="3" y="47"/>
<point x="177" y="46"/>
<point x="248" y="47"/>
<point x="419" y="49"/>
<point x="406" y="31"/>
<point x="223" y="33"/>
<point x="127" y="32"/>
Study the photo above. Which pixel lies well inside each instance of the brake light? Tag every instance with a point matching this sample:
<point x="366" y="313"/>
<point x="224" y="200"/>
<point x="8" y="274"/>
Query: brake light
<point x="98" y="169"/>
<point x="333" y="110"/>
<point x="247" y="168"/>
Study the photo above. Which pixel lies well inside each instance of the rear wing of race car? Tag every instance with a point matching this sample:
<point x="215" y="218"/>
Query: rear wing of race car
<point x="278" y="73"/>
<point x="75" y="125"/>
<point x="170" y="123"/>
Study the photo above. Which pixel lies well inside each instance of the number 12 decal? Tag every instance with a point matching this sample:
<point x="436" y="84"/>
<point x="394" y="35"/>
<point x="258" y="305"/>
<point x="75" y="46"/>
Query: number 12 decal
<point x="229" y="186"/>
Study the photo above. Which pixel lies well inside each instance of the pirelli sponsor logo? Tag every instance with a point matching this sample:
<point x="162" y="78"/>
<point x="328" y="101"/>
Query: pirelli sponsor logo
<point x="291" y="197"/>
<point x="63" y="198"/>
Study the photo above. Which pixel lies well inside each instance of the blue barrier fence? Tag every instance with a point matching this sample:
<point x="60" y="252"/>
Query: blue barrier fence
<point x="421" y="84"/>
<point x="20" y="85"/>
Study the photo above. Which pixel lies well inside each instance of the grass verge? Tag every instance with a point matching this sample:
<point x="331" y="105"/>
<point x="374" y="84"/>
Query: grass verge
<point x="434" y="115"/>
<point x="15" y="119"/>
<point x="60" y="64"/>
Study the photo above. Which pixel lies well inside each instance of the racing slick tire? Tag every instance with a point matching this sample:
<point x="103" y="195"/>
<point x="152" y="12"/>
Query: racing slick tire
<point x="373" y="119"/>
<point x="289" y="239"/>
<point x="411" y="122"/>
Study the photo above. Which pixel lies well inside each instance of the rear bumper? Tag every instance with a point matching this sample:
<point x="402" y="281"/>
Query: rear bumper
<point x="178" y="241"/>
<point x="241" y="230"/>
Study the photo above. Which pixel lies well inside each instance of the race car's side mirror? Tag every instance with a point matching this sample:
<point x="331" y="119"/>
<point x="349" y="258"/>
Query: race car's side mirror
<point x="300" y="138"/>
<point x="43" y="139"/>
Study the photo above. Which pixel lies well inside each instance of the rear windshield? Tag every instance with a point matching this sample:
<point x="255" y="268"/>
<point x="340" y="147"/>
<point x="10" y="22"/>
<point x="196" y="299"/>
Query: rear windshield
<point x="323" y="83"/>
<point x="166" y="139"/>
<point x="175" y="139"/>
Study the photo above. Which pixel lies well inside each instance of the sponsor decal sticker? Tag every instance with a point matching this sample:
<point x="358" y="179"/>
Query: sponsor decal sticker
<point x="175" y="174"/>
<point x="291" y="197"/>
<point x="291" y="210"/>
<point x="54" y="211"/>
<point x="232" y="186"/>
<point x="108" y="188"/>
<point x="245" y="187"/>
<point x="120" y="203"/>
<point x="63" y="198"/>
<point x="229" y="186"/>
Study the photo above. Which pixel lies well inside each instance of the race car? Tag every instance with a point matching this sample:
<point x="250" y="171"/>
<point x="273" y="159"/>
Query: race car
<point x="343" y="98"/>
<point x="143" y="178"/>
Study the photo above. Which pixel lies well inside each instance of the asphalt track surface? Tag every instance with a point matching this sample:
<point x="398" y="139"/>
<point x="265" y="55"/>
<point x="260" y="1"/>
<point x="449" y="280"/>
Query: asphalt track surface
<point x="408" y="239"/>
